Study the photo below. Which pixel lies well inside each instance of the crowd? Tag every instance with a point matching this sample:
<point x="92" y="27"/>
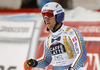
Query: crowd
<point x="17" y="4"/>
<point x="66" y="4"/>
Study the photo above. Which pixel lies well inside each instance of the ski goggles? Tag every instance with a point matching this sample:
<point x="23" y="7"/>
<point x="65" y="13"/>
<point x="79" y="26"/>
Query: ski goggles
<point x="48" y="14"/>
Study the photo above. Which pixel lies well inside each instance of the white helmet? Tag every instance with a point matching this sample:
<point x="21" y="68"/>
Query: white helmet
<point x="57" y="10"/>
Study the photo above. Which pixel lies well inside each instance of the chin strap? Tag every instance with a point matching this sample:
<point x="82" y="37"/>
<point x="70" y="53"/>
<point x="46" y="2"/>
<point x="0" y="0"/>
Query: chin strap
<point x="48" y="29"/>
<point x="55" y="26"/>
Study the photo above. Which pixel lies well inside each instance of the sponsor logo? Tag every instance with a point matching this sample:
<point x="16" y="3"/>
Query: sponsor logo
<point x="92" y="62"/>
<point x="90" y="29"/>
<point x="57" y="49"/>
<point x="9" y="68"/>
<point x="74" y="39"/>
<point x="14" y="29"/>
<point x="76" y="48"/>
<point x="55" y="36"/>
<point x="59" y="10"/>
<point x="58" y="58"/>
<point x="71" y="33"/>
<point x="57" y="5"/>
<point x="57" y="39"/>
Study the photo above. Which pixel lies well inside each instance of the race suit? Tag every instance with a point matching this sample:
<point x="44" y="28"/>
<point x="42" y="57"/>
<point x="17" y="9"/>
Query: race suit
<point x="65" y="47"/>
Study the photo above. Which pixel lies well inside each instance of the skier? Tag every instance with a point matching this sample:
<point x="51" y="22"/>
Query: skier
<point x="64" y="46"/>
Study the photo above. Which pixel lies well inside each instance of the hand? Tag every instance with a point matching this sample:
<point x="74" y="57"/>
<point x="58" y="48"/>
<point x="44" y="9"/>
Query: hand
<point x="28" y="64"/>
<point x="70" y="68"/>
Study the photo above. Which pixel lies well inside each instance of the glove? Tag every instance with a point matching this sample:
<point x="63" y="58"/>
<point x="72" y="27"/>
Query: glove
<point x="28" y="64"/>
<point x="70" y="68"/>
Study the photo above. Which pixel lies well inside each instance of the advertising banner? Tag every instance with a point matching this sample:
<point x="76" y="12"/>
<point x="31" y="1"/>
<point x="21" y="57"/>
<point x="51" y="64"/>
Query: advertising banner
<point x="87" y="29"/>
<point x="16" y="29"/>
<point x="93" y="56"/>
<point x="13" y="55"/>
<point x="15" y="38"/>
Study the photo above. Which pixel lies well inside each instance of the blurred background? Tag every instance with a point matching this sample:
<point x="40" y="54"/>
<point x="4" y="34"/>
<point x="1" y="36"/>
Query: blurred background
<point x="22" y="31"/>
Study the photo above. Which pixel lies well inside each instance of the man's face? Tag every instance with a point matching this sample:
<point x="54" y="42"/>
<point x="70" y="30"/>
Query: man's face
<point x="50" y="22"/>
<point x="49" y="19"/>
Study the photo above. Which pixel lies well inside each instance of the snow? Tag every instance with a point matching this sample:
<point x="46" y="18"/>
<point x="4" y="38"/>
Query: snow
<point x="81" y="14"/>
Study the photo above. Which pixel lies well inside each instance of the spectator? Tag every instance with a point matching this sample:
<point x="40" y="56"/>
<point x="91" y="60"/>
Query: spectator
<point x="66" y="4"/>
<point x="42" y="2"/>
<point x="10" y="4"/>
<point x="29" y="4"/>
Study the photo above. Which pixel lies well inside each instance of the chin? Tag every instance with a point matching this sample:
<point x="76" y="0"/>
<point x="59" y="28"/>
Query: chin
<point x="50" y="28"/>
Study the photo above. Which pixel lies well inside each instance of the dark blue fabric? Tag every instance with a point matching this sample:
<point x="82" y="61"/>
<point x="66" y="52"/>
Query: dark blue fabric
<point x="61" y="67"/>
<point x="60" y="17"/>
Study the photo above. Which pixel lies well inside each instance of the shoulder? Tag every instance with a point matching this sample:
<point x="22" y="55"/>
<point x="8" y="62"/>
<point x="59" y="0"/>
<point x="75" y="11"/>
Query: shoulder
<point x="67" y="28"/>
<point x="71" y="30"/>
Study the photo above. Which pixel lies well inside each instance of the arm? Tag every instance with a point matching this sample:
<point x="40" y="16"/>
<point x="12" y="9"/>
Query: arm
<point x="42" y="62"/>
<point x="46" y="58"/>
<point x="79" y="46"/>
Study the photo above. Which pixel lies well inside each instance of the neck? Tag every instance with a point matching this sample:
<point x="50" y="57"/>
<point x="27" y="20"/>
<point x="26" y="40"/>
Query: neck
<point x="57" y="27"/>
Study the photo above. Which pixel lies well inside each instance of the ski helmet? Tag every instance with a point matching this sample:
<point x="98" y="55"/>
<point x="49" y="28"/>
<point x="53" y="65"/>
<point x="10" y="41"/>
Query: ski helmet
<point x="58" y="10"/>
